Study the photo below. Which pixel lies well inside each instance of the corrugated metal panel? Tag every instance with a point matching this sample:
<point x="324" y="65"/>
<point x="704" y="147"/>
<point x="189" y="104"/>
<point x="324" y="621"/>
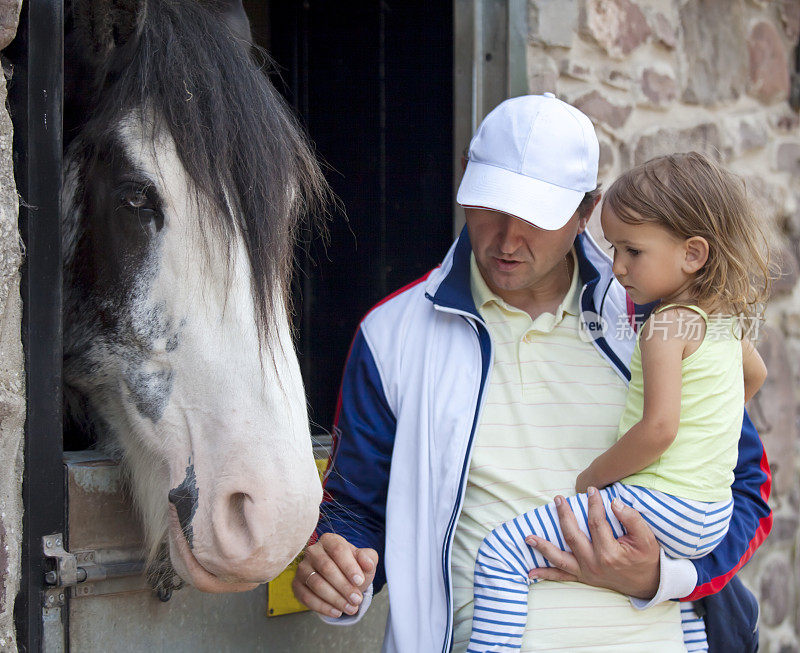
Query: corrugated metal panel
<point x="124" y="614"/>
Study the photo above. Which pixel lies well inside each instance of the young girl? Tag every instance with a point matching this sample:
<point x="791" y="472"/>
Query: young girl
<point x="682" y="233"/>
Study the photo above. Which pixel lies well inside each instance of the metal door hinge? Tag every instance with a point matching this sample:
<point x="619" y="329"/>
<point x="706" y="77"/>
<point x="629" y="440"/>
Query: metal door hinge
<point x="70" y="569"/>
<point x="65" y="573"/>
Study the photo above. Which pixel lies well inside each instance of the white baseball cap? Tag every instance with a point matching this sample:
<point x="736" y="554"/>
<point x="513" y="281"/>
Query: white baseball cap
<point x="533" y="157"/>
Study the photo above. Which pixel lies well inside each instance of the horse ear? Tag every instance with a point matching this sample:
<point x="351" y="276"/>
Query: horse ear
<point x="107" y="24"/>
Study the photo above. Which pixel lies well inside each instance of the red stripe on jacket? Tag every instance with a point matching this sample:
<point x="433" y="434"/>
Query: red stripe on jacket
<point x="764" y="527"/>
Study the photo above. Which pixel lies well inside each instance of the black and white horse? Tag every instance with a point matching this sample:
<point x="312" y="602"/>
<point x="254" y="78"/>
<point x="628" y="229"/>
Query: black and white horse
<point x="185" y="177"/>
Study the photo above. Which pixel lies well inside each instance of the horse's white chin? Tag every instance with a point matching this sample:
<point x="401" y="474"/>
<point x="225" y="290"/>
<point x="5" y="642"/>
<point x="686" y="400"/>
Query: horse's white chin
<point x="188" y="568"/>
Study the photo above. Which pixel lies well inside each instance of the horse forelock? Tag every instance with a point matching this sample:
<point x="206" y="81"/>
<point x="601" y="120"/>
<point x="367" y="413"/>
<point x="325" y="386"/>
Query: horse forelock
<point x="244" y="153"/>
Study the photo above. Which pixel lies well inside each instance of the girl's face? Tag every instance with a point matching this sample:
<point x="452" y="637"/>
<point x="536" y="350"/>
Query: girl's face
<point x="649" y="261"/>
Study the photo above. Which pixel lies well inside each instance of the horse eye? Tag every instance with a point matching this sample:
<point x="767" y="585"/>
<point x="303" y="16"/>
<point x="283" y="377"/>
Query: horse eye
<point x="141" y="202"/>
<point x="136" y="199"/>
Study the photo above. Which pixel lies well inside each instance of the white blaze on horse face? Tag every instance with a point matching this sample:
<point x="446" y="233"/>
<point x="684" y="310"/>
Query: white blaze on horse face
<point x="231" y="428"/>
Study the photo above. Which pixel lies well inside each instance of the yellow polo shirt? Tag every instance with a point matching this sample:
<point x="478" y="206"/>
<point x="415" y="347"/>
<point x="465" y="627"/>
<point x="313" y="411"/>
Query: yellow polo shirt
<point x="553" y="404"/>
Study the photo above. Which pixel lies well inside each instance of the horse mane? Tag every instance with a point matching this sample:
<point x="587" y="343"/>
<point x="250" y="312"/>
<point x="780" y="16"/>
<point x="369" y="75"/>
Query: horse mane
<point x="185" y="73"/>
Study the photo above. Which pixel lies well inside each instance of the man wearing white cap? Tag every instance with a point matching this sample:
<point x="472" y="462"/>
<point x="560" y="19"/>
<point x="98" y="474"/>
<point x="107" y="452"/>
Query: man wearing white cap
<point x="481" y="391"/>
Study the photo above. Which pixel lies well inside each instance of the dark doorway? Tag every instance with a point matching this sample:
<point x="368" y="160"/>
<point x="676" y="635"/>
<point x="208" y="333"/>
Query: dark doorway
<point x="373" y="85"/>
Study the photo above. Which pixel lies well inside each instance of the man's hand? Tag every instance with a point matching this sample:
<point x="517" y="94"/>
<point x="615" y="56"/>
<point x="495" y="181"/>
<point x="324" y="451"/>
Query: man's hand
<point x="333" y="576"/>
<point x="629" y="565"/>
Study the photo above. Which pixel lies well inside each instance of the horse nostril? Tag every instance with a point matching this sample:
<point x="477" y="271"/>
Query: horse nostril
<point x="236" y="510"/>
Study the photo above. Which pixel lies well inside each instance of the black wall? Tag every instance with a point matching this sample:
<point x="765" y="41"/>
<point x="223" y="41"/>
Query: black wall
<point x="373" y="84"/>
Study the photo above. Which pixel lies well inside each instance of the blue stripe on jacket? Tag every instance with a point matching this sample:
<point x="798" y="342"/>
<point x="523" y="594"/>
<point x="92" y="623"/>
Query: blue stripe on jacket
<point x="358" y="474"/>
<point x="751" y="520"/>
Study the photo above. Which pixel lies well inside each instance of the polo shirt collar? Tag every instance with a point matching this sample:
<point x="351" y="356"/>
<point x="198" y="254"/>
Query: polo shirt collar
<point x="483" y="295"/>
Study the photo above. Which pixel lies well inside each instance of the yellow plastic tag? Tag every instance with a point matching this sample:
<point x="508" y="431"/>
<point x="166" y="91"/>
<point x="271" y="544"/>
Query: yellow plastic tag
<point x="280" y="598"/>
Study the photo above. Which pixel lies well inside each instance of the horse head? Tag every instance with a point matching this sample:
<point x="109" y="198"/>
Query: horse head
<point x="185" y="178"/>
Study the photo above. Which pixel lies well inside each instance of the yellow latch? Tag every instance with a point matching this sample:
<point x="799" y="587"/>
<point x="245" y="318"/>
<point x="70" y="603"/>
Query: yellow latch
<point x="280" y="598"/>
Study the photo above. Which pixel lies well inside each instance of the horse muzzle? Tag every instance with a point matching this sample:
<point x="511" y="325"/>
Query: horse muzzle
<point x="239" y="539"/>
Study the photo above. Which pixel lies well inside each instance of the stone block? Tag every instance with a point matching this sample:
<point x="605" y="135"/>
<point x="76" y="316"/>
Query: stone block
<point x="752" y="134"/>
<point x="617" y="26"/>
<point x="658" y="89"/>
<point x="9" y="19"/>
<point x="769" y="200"/>
<point x="787" y="121"/>
<point x="784" y="529"/>
<point x="616" y="78"/>
<point x="599" y="109"/>
<point x="792" y="219"/>
<point x="768" y="78"/>
<point x="553" y="22"/>
<point x="664" y="30"/>
<point x="789" y="268"/>
<point x="542" y="72"/>
<point x="797" y="584"/>
<point x="716" y="67"/>
<point x="789" y="647"/>
<point x="776" y="590"/>
<point x="606" y="157"/>
<point x="791" y="325"/>
<point x="574" y="70"/>
<point x="774" y="411"/>
<point x="704" y="138"/>
<point x="4" y="606"/>
<point x="787" y="158"/>
<point x="790" y="18"/>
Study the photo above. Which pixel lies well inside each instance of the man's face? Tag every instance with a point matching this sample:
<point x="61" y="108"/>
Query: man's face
<point x="516" y="259"/>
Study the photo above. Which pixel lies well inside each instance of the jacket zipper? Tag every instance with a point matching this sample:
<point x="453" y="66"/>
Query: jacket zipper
<point x="621" y="371"/>
<point x="470" y="319"/>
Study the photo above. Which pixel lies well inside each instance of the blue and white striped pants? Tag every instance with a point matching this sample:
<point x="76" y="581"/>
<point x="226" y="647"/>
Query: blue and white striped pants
<point x="683" y="528"/>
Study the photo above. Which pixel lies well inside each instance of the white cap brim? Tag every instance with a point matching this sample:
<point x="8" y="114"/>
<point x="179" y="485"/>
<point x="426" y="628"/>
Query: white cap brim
<point x="540" y="203"/>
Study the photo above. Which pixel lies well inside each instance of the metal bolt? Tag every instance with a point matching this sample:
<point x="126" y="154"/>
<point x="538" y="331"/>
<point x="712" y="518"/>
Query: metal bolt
<point x="61" y="597"/>
<point x="51" y="599"/>
<point x="48" y="543"/>
<point x="51" y="578"/>
<point x="58" y="541"/>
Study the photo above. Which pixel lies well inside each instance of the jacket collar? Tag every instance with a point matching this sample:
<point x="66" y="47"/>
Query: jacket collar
<point x="604" y="310"/>
<point x="451" y="288"/>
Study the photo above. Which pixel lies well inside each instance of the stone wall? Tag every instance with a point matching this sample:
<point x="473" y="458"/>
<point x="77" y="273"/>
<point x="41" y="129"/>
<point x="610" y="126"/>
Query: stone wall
<point x="661" y="76"/>
<point x="12" y="374"/>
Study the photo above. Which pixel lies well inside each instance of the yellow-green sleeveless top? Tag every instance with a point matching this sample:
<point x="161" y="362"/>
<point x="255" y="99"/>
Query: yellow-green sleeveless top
<point x="699" y="463"/>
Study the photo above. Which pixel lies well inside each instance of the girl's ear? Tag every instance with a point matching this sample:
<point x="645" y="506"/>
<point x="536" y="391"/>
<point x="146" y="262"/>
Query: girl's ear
<point x="695" y="254"/>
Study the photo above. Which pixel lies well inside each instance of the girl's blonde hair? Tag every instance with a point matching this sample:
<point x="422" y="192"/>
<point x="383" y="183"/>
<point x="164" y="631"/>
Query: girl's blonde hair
<point x="692" y="196"/>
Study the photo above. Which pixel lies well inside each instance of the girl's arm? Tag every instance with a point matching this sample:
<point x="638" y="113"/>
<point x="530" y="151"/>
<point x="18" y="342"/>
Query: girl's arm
<point x="755" y="372"/>
<point x="662" y="344"/>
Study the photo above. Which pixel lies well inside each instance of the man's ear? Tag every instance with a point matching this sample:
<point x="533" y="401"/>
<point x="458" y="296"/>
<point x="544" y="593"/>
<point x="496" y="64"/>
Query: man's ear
<point x="695" y="254"/>
<point x="583" y="220"/>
